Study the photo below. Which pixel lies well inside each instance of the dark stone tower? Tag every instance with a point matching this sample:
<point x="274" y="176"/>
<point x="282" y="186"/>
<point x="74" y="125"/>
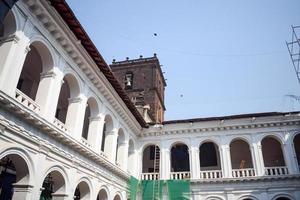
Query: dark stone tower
<point x="144" y="83"/>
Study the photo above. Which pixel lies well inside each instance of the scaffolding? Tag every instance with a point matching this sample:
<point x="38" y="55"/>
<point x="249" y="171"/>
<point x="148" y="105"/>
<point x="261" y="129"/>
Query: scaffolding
<point x="294" y="50"/>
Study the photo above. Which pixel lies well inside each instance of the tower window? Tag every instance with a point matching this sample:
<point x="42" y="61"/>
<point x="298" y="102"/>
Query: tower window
<point x="128" y="80"/>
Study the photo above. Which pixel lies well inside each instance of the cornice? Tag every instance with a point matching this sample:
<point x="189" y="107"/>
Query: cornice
<point x="191" y="129"/>
<point x="50" y="20"/>
<point x="245" y="179"/>
<point x="48" y="128"/>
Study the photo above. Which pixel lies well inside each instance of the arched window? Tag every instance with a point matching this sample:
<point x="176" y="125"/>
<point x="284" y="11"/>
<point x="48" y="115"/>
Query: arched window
<point x="297" y="148"/>
<point x="68" y="92"/>
<point x="37" y="60"/>
<point x="240" y="154"/>
<point x="117" y="197"/>
<point x="89" y="124"/>
<point x="151" y="159"/>
<point x="13" y="169"/>
<point x="131" y="157"/>
<point x="102" y="195"/>
<point x="209" y="156"/>
<point x="82" y="191"/>
<point x="272" y="152"/>
<point x="120" y="151"/>
<point x="54" y="183"/>
<point x="107" y="128"/>
<point x="180" y="161"/>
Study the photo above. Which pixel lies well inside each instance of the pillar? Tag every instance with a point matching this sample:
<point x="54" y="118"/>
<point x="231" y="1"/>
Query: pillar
<point x="289" y="158"/>
<point x="195" y="162"/>
<point x="13" y="52"/>
<point x="95" y="133"/>
<point x="123" y="155"/>
<point x="48" y="92"/>
<point x="258" y="158"/>
<point x="110" y="146"/>
<point x="226" y="160"/>
<point x="165" y="164"/>
<point x="75" y="116"/>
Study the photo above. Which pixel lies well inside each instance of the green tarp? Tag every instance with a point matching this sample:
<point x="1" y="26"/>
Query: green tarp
<point x="178" y="189"/>
<point x="133" y="185"/>
<point x="153" y="190"/>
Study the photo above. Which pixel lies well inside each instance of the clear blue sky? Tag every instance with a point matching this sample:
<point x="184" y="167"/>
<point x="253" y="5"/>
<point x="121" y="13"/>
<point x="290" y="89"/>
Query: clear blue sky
<point x="223" y="57"/>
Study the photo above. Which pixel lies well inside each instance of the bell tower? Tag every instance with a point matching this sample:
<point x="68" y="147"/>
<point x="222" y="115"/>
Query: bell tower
<point x="144" y="83"/>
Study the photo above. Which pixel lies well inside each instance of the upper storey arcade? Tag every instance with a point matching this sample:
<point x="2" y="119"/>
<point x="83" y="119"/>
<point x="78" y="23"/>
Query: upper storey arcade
<point x="53" y="76"/>
<point x="241" y="147"/>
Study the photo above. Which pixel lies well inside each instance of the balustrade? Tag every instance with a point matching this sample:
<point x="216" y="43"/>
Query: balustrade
<point x="180" y="175"/>
<point x="27" y="101"/>
<point x="276" y="171"/>
<point x="60" y="125"/>
<point x="150" y="176"/>
<point x="239" y="173"/>
<point x="213" y="174"/>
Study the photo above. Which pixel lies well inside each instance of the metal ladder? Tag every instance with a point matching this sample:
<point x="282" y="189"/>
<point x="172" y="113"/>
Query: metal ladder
<point x="156" y="184"/>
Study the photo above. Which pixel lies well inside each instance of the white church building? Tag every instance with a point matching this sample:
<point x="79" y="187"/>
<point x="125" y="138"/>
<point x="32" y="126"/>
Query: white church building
<point x="69" y="131"/>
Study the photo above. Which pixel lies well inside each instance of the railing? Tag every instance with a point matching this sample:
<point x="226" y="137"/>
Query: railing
<point x="276" y="171"/>
<point x="150" y="176"/>
<point x="85" y="142"/>
<point x="180" y="175"/>
<point x="213" y="174"/>
<point x="60" y="125"/>
<point x="27" y="101"/>
<point x="247" y="172"/>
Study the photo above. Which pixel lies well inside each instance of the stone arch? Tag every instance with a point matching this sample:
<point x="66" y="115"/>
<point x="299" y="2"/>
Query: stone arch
<point x="209" y="155"/>
<point x="107" y="128"/>
<point x="117" y="197"/>
<point x="83" y="189"/>
<point x="214" y="198"/>
<point x="91" y="113"/>
<point x="131" y="157"/>
<point x="54" y="182"/>
<point x="121" y="147"/>
<point x="248" y="197"/>
<point x="272" y="151"/>
<point x="283" y="197"/>
<point x="38" y="61"/>
<point x="150" y="158"/>
<point x="240" y="153"/>
<point x="20" y="155"/>
<point x="180" y="161"/>
<point x="14" y="173"/>
<point x="69" y="92"/>
<point x="103" y="194"/>
<point x="296" y="144"/>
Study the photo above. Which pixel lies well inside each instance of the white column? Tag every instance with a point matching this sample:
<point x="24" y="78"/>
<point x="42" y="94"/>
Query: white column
<point x="254" y="163"/>
<point x="258" y="158"/>
<point x="95" y="133"/>
<point x="195" y="162"/>
<point x="289" y="158"/>
<point x="110" y="146"/>
<point x="48" y="92"/>
<point x="165" y="164"/>
<point x="13" y="51"/>
<point x="225" y="155"/>
<point x="75" y="116"/>
<point x="132" y="166"/>
<point x="123" y="155"/>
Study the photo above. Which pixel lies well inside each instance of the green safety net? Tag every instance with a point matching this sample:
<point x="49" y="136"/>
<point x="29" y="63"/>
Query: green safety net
<point x="151" y="190"/>
<point x="133" y="187"/>
<point x="178" y="189"/>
